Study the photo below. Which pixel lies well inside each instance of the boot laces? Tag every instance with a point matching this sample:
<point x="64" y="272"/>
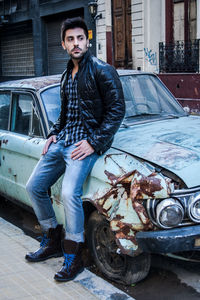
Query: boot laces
<point x="68" y="261"/>
<point x="44" y="241"/>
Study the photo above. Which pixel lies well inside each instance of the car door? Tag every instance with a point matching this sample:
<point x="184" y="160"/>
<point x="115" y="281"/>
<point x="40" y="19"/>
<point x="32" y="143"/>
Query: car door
<point x="5" y="101"/>
<point x="21" y="145"/>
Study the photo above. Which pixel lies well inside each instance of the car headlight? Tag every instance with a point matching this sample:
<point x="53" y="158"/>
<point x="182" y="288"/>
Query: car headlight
<point x="169" y="213"/>
<point x="194" y="208"/>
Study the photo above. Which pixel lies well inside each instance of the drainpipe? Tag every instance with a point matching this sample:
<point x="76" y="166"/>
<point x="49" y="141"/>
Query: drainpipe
<point x="198" y="26"/>
<point x="198" y="19"/>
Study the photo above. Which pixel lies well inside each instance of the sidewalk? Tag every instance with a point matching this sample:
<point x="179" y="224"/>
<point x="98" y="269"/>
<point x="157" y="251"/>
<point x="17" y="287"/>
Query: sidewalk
<point x="22" y="280"/>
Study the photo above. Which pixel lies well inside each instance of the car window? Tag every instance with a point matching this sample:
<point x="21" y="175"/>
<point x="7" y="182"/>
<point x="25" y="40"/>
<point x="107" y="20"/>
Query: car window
<point x="4" y="110"/>
<point x="146" y="95"/>
<point x="51" y="100"/>
<point x="25" y="119"/>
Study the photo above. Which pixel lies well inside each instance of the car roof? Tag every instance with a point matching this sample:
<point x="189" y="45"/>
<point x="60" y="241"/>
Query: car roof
<point x="129" y="72"/>
<point x="38" y="83"/>
<point x="34" y="83"/>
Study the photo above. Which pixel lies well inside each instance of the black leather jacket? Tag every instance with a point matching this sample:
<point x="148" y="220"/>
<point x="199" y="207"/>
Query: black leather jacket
<point x="101" y="101"/>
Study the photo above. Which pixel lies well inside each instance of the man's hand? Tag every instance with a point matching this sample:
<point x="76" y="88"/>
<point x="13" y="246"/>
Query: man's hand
<point x="83" y="149"/>
<point x="51" y="139"/>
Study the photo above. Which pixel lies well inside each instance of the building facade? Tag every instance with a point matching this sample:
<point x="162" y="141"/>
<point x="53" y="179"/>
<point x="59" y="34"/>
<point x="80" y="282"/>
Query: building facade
<point x="30" y="43"/>
<point x="140" y="34"/>
<point x="160" y="36"/>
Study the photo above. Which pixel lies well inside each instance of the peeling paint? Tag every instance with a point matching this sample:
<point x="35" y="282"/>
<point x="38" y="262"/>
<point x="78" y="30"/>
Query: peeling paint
<point x="123" y="203"/>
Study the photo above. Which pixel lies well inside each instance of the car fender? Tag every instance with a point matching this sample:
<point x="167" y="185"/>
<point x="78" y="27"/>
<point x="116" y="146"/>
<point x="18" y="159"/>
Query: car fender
<point x="118" y="185"/>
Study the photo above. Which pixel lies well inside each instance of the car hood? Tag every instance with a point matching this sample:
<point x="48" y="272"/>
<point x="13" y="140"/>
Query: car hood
<point x="173" y="144"/>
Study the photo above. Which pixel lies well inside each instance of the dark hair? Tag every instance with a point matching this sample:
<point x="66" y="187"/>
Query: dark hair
<point x="73" y="23"/>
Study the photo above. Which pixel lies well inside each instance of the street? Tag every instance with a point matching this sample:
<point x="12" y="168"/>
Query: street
<point x="169" y="278"/>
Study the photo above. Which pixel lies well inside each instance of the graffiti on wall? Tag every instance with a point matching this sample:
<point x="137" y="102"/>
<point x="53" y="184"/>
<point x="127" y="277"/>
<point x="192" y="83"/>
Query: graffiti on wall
<point x="150" y="56"/>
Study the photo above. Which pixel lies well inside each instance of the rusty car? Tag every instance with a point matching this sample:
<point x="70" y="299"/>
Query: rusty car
<point x="141" y="197"/>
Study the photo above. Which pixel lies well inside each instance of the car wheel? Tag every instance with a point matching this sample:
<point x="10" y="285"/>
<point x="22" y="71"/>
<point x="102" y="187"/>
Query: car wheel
<point x="118" y="267"/>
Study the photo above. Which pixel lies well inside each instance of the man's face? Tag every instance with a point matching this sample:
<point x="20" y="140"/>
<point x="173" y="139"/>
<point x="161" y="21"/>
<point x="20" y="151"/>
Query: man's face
<point x="75" y="43"/>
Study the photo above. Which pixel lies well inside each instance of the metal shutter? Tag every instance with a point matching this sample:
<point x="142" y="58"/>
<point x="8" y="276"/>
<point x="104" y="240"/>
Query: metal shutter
<point x="17" y="57"/>
<point x="57" y="57"/>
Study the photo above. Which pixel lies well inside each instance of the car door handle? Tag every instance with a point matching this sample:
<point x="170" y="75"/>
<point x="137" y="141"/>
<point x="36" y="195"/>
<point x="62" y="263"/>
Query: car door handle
<point x="4" y="141"/>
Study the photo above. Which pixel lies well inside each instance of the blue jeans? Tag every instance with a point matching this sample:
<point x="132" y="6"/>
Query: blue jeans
<point x="49" y="168"/>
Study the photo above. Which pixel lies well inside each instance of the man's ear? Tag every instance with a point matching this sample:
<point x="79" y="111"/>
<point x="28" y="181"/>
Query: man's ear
<point x="88" y="43"/>
<point x="63" y="45"/>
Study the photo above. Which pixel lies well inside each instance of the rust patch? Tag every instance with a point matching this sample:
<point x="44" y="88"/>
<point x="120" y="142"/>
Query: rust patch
<point x="119" y="217"/>
<point x="39" y="83"/>
<point x="101" y="209"/>
<point x="125" y="230"/>
<point x="111" y="193"/>
<point x="111" y="177"/>
<point x="137" y="187"/>
<point x="124" y="235"/>
<point x="147" y="185"/>
<point x="126" y="178"/>
<point x="128" y="251"/>
<point x="144" y="185"/>
<point x="142" y="214"/>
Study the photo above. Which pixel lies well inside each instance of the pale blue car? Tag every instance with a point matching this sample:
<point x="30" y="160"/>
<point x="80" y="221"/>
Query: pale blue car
<point x="142" y="196"/>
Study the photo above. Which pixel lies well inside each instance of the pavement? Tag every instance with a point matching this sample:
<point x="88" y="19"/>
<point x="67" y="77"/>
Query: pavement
<point x="23" y="280"/>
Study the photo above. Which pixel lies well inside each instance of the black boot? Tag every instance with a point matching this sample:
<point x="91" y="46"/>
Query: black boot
<point x="50" y="245"/>
<point x="73" y="264"/>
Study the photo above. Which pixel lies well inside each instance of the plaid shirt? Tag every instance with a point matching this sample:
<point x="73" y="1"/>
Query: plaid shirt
<point x="74" y="130"/>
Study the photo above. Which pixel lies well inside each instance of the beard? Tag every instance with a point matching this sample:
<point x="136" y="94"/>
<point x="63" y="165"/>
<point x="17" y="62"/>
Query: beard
<point x="77" y="55"/>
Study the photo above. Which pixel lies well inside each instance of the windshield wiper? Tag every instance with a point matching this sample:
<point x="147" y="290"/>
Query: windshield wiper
<point x="141" y="115"/>
<point x="171" y="116"/>
<point x="125" y="125"/>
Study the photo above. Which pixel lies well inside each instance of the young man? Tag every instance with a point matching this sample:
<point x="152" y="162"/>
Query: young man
<point x="92" y="108"/>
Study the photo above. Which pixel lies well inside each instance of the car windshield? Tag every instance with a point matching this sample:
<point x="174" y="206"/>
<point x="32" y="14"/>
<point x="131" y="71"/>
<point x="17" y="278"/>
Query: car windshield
<point x="51" y="100"/>
<point x="146" y="97"/>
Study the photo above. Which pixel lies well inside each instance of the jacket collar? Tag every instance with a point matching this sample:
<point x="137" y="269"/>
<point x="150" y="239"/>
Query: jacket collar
<point x="81" y="63"/>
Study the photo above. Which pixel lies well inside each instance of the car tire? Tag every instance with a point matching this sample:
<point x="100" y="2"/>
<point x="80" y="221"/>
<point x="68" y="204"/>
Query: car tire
<point x="117" y="267"/>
